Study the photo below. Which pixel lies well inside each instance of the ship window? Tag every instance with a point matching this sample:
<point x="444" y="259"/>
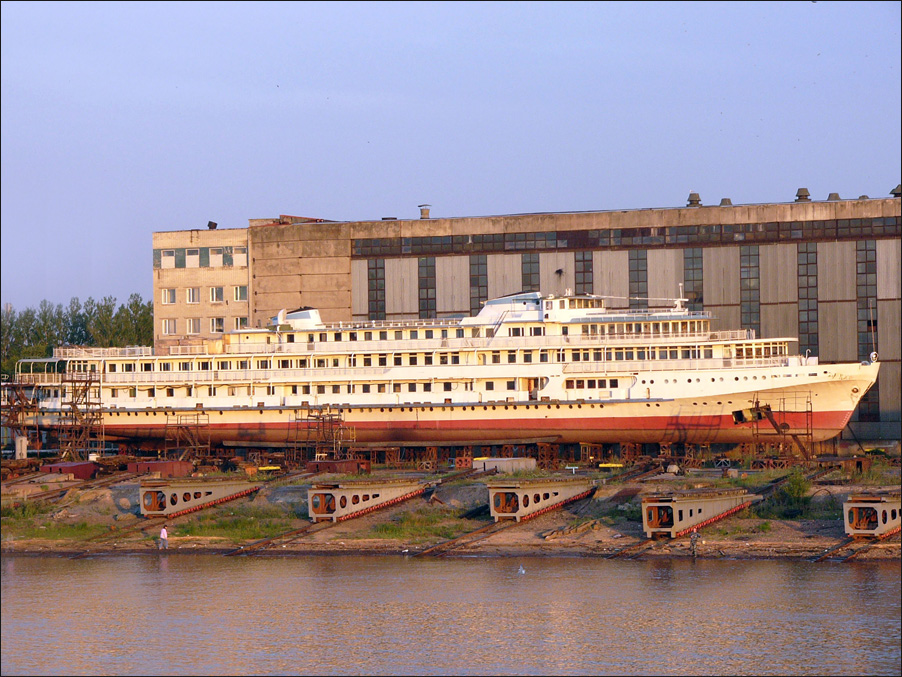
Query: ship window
<point x="527" y="356"/>
<point x="428" y="333"/>
<point x="580" y="383"/>
<point x="336" y="389"/>
<point x="243" y="364"/>
<point x="446" y="386"/>
<point x="543" y="356"/>
<point x="411" y="387"/>
<point x="383" y="335"/>
<point x="412" y="359"/>
<point x="184" y="366"/>
<point x="320" y="390"/>
<point x="114" y="392"/>
<point x="396" y="387"/>
<point x="489" y="385"/>
<point x="367" y="336"/>
<point x="380" y="387"/>
<point x="284" y="364"/>
<point x="569" y="383"/>
<point x="475" y="332"/>
<point x="414" y="334"/>
<point x="262" y="364"/>
<point x="427" y="387"/>
<point x="367" y="360"/>
<point x="270" y="390"/>
<point x="203" y="366"/>
<point x="443" y="358"/>
<point x="674" y="353"/>
<point x="399" y="335"/>
<point x="147" y="366"/>
<point x="628" y="354"/>
<point x="427" y="359"/>
<point x="516" y="331"/>
<point x="576" y="356"/>
<point x="112" y="368"/>
<point x="365" y="387"/>
<point x="537" y="331"/>
<point x="352" y="335"/>
<point x="305" y="390"/>
<point x="165" y="366"/>
<point x="615" y="383"/>
<point x="323" y="337"/>
<point x="511" y="385"/>
<point x="496" y="357"/>
<point x="320" y="362"/>
<point x="459" y="333"/>
<point x="383" y="360"/>
<point x="397" y="360"/>
<point x="170" y="392"/>
<point x="511" y="356"/>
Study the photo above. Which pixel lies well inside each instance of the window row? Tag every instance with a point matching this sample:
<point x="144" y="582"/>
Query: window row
<point x="193" y="325"/>
<point x="193" y="295"/>
<point x="200" y="257"/>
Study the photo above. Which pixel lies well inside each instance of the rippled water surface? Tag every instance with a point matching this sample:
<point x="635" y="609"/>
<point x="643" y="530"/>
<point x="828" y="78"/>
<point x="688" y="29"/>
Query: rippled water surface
<point x="177" y="614"/>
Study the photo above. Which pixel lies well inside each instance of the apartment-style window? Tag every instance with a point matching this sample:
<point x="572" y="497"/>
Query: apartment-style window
<point x="216" y="295"/>
<point x="192" y="295"/>
<point x="192" y="258"/>
<point x="167" y="258"/>
<point x="193" y="325"/>
<point x="239" y="256"/>
<point x="168" y="327"/>
<point x="240" y="323"/>
<point x="168" y="297"/>
<point x="217" y="325"/>
<point x="241" y="293"/>
<point x="216" y="257"/>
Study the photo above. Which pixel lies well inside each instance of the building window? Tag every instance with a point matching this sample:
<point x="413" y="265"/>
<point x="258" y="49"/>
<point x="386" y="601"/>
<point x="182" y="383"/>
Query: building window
<point x="692" y="277"/>
<point x="192" y="295"/>
<point x="167" y="258"/>
<point x="866" y="293"/>
<point x="217" y="325"/>
<point x="638" y="279"/>
<point x="193" y="325"/>
<point x="241" y="323"/>
<point x="426" y="286"/>
<point x="375" y="273"/>
<point x="584" y="274"/>
<point x="479" y="282"/>
<point x="192" y="258"/>
<point x="749" y="288"/>
<point x="241" y="293"/>
<point x="168" y="296"/>
<point x="216" y="257"/>
<point x="529" y="271"/>
<point x="168" y="327"/>
<point x="216" y="295"/>
<point x="239" y="256"/>
<point x="808" y="310"/>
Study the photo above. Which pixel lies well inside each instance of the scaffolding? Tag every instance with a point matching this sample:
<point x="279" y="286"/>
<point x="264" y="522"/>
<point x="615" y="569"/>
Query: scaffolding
<point x="18" y="404"/>
<point x="187" y="436"/>
<point x="80" y="426"/>
<point x="321" y="434"/>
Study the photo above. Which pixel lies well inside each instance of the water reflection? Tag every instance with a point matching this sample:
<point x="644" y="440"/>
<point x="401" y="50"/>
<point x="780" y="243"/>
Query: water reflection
<point x="171" y="614"/>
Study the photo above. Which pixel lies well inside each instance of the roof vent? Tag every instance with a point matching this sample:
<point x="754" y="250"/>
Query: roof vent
<point x="802" y="195"/>
<point x="212" y="225"/>
<point x="863" y="197"/>
<point x="726" y="202"/>
<point x="897" y="191"/>
<point x="694" y="200"/>
<point x="424" y="211"/>
<point x="389" y="218"/>
<point x="833" y="197"/>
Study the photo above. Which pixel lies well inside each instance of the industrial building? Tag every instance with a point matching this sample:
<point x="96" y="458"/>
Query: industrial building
<point x="826" y="271"/>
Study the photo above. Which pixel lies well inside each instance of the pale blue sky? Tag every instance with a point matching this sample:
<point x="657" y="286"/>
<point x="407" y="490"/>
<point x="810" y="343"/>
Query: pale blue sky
<point x="122" y="119"/>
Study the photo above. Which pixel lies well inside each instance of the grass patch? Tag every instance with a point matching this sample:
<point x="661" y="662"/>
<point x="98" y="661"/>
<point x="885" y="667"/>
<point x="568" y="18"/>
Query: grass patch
<point x="240" y="523"/>
<point x="51" y="530"/>
<point x="421" y="525"/>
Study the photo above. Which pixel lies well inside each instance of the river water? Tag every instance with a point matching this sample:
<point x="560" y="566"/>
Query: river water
<point x="175" y="614"/>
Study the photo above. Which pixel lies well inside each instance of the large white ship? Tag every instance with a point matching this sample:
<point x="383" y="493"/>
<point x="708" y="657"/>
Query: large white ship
<point x="527" y="367"/>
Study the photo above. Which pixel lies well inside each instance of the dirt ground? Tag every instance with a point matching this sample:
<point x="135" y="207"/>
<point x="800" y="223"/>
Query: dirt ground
<point x="597" y="527"/>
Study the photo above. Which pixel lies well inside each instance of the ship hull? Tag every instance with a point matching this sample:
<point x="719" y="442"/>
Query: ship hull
<point x="815" y="411"/>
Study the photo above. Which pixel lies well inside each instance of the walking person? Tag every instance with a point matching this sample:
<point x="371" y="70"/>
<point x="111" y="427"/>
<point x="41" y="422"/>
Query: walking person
<point x="164" y="538"/>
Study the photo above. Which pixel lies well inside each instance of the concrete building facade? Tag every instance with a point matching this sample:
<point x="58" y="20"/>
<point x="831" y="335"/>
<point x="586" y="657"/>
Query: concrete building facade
<point x="825" y="271"/>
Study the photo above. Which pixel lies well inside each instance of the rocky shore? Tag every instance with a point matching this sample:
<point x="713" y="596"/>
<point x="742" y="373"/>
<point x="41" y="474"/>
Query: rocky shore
<point x="600" y="527"/>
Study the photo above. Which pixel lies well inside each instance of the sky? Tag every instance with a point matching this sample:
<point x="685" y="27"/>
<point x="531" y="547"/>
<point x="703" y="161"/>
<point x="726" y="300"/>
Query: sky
<point x="121" y="119"/>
